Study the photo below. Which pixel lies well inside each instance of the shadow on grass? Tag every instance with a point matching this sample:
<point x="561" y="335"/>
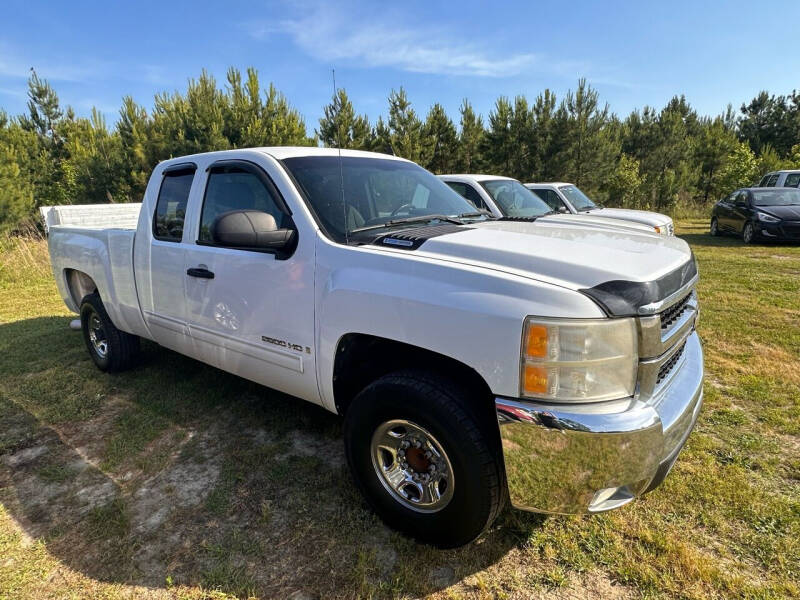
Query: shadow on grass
<point x="176" y="471"/>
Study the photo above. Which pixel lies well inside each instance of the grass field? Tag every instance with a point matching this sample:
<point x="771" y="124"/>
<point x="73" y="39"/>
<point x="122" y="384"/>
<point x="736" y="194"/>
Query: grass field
<point x="178" y="480"/>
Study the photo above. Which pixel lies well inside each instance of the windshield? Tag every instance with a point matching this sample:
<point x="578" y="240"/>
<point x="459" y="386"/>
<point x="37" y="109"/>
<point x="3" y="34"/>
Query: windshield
<point x="577" y="198"/>
<point x="376" y="191"/>
<point x="776" y="197"/>
<point x="514" y="199"/>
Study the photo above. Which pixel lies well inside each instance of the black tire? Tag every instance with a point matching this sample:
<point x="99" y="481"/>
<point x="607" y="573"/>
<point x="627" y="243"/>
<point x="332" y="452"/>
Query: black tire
<point x="438" y="406"/>
<point x="714" y="228"/>
<point x="748" y="233"/>
<point x="121" y="348"/>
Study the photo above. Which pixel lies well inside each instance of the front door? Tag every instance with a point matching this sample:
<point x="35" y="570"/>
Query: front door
<point x="739" y="212"/>
<point x="251" y="312"/>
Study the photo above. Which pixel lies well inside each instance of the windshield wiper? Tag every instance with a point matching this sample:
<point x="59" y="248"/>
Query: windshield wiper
<point x="528" y="217"/>
<point x="478" y="213"/>
<point x="419" y="219"/>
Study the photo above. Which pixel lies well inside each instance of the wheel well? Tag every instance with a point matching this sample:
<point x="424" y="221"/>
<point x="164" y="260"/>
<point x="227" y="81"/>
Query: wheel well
<point x="79" y="285"/>
<point x="361" y="359"/>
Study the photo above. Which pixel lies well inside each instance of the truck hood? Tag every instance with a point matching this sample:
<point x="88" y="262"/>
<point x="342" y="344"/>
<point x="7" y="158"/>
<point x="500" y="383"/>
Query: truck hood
<point x="639" y="216"/>
<point x="589" y="219"/>
<point x="572" y="256"/>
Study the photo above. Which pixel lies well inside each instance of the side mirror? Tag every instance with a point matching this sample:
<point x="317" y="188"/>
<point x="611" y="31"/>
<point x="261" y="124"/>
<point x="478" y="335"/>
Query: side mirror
<point x="562" y="209"/>
<point x="251" y="229"/>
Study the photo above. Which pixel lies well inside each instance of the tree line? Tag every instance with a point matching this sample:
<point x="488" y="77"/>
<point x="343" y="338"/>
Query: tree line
<point x="658" y="159"/>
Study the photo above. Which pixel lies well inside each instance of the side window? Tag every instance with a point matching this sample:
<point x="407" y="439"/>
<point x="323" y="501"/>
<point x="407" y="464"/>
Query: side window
<point x="234" y="188"/>
<point x="468" y="192"/>
<point x="741" y="198"/>
<point x="550" y="197"/>
<point x="773" y="179"/>
<point x="475" y="198"/>
<point x="764" y="180"/>
<point x="171" y="205"/>
<point x="792" y="180"/>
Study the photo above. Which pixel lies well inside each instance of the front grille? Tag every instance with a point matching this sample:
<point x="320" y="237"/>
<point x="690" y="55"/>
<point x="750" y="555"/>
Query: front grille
<point x="674" y="312"/>
<point x="665" y="369"/>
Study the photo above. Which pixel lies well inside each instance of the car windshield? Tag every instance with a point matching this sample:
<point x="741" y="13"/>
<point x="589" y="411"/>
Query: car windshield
<point x="577" y="198"/>
<point x="776" y="197"/>
<point x="371" y="192"/>
<point x="514" y="199"/>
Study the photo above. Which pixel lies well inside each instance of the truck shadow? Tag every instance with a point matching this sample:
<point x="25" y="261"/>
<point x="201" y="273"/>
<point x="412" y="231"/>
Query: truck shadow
<point x="176" y="473"/>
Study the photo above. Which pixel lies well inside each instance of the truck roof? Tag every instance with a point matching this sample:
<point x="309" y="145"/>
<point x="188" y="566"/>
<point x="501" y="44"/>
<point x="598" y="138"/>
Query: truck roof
<point x="474" y="177"/>
<point x="281" y="152"/>
<point x="555" y="183"/>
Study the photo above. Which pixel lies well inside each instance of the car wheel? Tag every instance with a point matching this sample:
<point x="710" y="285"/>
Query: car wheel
<point x="422" y="460"/>
<point x="714" y="229"/>
<point x="748" y="233"/>
<point x="111" y="349"/>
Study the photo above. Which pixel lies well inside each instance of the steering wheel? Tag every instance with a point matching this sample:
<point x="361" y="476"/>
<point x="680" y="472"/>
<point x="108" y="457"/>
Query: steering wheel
<point x="400" y="208"/>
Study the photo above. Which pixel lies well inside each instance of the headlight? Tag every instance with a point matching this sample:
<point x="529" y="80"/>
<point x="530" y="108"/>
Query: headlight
<point x="767" y="218"/>
<point x="579" y="360"/>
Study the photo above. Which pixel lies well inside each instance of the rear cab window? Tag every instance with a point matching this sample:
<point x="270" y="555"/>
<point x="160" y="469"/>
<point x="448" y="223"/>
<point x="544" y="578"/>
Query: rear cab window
<point x="173" y="196"/>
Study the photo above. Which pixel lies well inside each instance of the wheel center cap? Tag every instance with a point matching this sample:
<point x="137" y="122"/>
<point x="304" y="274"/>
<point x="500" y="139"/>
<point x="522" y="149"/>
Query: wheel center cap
<point x="416" y="460"/>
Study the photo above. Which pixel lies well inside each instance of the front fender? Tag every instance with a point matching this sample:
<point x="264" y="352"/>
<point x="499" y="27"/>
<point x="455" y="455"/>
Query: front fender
<point x="474" y="315"/>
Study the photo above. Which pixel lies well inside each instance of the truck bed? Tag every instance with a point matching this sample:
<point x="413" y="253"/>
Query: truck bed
<point x="91" y="245"/>
<point x="92" y="216"/>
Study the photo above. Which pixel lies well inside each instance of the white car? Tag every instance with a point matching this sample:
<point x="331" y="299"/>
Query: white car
<point x="473" y="360"/>
<point x="506" y="198"/>
<point x="784" y="178"/>
<point x="570" y="197"/>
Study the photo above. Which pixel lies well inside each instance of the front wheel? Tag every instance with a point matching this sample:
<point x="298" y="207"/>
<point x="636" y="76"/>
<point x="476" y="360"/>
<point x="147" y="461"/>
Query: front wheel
<point x="714" y="229"/>
<point x="748" y="233"/>
<point x="421" y="459"/>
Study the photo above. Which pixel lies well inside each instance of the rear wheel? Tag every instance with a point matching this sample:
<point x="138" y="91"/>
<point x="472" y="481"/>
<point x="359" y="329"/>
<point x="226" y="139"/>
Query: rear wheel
<point x="714" y="229"/>
<point x="748" y="233"/>
<point x="422" y="460"/>
<point x="111" y="349"/>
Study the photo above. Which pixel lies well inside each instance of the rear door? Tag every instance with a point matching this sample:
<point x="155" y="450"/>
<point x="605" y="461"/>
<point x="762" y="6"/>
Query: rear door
<point x="724" y="211"/>
<point x="159" y="264"/>
<point x="251" y="312"/>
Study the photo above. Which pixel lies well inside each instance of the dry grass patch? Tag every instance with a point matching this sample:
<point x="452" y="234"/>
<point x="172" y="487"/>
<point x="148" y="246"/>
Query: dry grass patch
<point x="176" y="480"/>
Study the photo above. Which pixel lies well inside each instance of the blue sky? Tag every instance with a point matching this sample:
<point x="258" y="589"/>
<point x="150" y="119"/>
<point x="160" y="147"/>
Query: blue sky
<point x="634" y="53"/>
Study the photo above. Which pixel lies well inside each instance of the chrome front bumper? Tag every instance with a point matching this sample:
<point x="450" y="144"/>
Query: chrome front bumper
<point x="595" y="457"/>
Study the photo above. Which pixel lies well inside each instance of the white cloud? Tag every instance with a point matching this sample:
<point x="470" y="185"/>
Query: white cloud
<point x="383" y="41"/>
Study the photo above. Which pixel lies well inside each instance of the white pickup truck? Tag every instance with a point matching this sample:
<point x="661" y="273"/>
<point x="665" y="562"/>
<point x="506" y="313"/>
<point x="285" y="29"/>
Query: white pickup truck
<point x="569" y="197"/>
<point x="473" y="359"/>
<point x="506" y="198"/>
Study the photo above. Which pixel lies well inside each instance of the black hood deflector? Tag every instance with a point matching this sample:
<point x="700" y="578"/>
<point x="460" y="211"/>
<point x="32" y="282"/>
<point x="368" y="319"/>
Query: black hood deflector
<point x="621" y="298"/>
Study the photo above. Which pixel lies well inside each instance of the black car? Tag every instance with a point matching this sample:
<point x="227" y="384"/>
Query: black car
<point x="759" y="213"/>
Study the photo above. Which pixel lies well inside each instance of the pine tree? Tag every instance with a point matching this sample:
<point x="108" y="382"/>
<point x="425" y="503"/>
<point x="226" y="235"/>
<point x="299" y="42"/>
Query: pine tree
<point x="498" y="148"/>
<point x="404" y="128"/>
<point x="340" y="127"/>
<point x="470" y="140"/>
<point x="440" y="141"/>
